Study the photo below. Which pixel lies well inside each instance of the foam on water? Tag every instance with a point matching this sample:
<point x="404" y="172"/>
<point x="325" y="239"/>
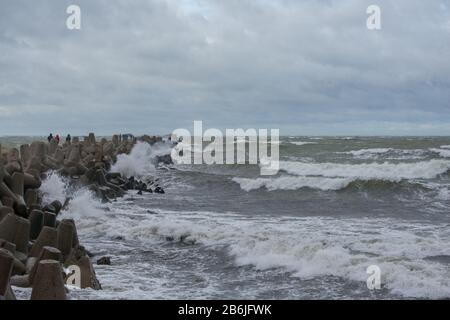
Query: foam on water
<point x="293" y="183"/>
<point x="387" y="153"/>
<point x="382" y="171"/>
<point x="306" y="247"/>
<point x="444" y="153"/>
<point x="84" y="204"/>
<point x="302" y="143"/>
<point x="365" y="152"/>
<point x="336" y="176"/>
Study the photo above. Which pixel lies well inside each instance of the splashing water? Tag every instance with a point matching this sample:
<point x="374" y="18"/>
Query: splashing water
<point x="141" y="160"/>
<point x="83" y="202"/>
<point x="54" y="187"/>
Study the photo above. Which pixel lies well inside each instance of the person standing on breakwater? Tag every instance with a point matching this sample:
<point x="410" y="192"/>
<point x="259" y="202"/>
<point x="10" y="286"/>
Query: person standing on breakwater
<point x="50" y="137"/>
<point x="68" y="139"/>
<point x="57" y="138"/>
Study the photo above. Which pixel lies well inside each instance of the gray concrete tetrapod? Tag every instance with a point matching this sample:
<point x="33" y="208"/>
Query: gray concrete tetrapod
<point x="47" y="237"/>
<point x="22" y="236"/>
<point x="11" y="247"/>
<point x="4" y="210"/>
<point x="31" y="197"/>
<point x="17" y="183"/>
<point x="6" y="265"/>
<point x="36" y="223"/>
<point x="50" y="219"/>
<point x="75" y="241"/>
<point x="57" y="205"/>
<point x="65" y="237"/>
<point x="47" y="253"/>
<point x="48" y="282"/>
<point x="8" y="227"/>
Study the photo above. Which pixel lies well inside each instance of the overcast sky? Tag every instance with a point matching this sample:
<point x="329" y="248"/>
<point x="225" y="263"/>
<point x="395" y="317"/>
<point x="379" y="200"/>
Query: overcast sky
<point x="303" y="66"/>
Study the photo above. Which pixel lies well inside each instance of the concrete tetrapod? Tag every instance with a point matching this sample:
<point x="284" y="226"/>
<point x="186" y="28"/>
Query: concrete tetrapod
<point x="6" y="265"/>
<point x="47" y="237"/>
<point x="48" y="282"/>
<point x="47" y="253"/>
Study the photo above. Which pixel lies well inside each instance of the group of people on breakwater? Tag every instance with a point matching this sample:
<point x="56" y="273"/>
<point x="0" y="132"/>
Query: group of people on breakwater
<point x="36" y="243"/>
<point x="57" y="138"/>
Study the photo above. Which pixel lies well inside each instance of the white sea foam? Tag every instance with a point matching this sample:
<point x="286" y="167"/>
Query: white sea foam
<point x="84" y="204"/>
<point x="444" y="153"/>
<point x="367" y="171"/>
<point x="140" y="161"/>
<point x="336" y="176"/>
<point x="443" y="194"/>
<point x="365" y="152"/>
<point x="344" y="138"/>
<point x="293" y="183"/>
<point x="302" y="143"/>
<point x="387" y="153"/>
<point x="307" y="247"/>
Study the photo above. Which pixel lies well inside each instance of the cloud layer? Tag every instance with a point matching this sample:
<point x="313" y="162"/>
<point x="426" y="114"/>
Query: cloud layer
<point x="304" y="66"/>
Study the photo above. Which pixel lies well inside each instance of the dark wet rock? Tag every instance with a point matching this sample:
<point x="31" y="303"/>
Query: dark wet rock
<point x="104" y="261"/>
<point x="166" y="159"/>
<point x="50" y="208"/>
<point x="159" y="190"/>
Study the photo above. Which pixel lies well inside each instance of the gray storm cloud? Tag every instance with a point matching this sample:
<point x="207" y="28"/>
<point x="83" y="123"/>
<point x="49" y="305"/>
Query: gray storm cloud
<point x="306" y="67"/>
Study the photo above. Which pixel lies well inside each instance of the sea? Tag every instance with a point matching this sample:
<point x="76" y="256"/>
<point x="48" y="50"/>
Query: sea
<point x="338" y="208"/>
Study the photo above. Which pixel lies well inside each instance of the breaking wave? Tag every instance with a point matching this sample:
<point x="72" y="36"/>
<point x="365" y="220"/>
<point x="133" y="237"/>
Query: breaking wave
<point x="302" y="143"/>
<point x="140" y="161"/>
<point x="312" y="247"/>
<point x="365" y="152"/>
<point x="388" y="153"/>
<point x="369" y="171"/>
<point x="334" y="176"/>
<point x="293" y="183"/>
<point x="444" y="153"/>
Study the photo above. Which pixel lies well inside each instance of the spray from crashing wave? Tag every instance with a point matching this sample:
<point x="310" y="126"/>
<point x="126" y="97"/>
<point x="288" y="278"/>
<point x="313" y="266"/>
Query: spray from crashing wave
<point x="54" y="187"/>
<point x="141" y="161"/>
<point x="82" y="202"/>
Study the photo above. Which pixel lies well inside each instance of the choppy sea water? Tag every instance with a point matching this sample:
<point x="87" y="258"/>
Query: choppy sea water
<point x="338" y="206"/>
